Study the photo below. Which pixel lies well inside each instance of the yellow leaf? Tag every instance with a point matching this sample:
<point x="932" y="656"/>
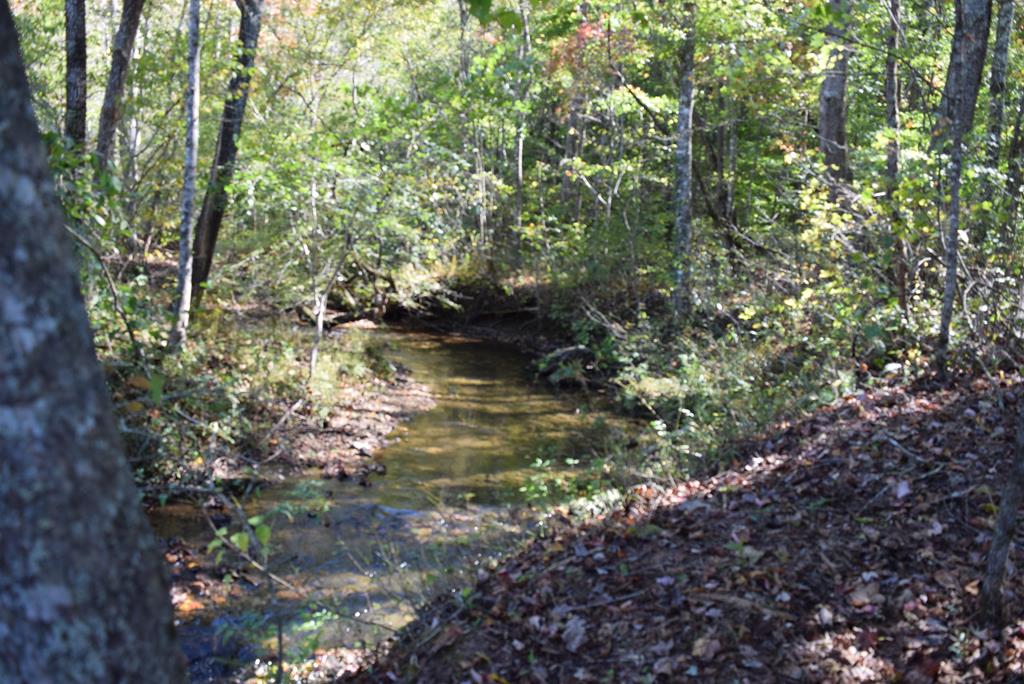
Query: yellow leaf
<point x="139" y="382"/>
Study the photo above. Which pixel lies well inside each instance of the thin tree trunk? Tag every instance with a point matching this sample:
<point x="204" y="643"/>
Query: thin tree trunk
<point x="463" y="42"/>
<point x="996" y="110"/>
<point x="479" y="175"/>
<point x="120" y="58"/>
<point x="320" y="304"/>
<point x="75" y="77"/>
<point x="832" y="101"/>
<point x="524" y="89"/>
<point x="216" y="199"/>
<point x="84" y="594"/>
<point x="951" y="252"/>
<point x="179" y="333"/>
<point x="1006" y="525"/>
<point x="1014" y="176"/>
<point x="956" y="115"/>
<point x="892" y="157"/>
<point x="681" y="295"/>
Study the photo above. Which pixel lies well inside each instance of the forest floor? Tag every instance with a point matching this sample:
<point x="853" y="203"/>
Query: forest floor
<point x="845" y="547"/>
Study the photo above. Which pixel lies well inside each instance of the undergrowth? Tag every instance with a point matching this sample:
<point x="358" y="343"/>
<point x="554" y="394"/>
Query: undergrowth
<point x="216" y="409"/>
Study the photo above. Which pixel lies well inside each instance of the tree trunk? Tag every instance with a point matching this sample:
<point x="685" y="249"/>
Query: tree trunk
<point x="996" y="113"/>
<point x="1014" y="176"/>
<point x="832" y="100"/>
<point x="681" y="295"/>
<point x="216" y="199"/>
<point x="463" y="42"/>
<point x="956" y="115"/>
<point x="892" y="157"/>
<point x="75" y="77"/>
<point x="523" y="89"/>
<point x="179" y="333"/>
<point x="84" y="594"/>
<point x="1006" y="524"/>
<point x="120" y="57"/>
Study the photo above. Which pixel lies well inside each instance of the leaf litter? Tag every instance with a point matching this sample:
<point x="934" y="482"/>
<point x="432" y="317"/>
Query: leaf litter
<point x="846" y="547"/>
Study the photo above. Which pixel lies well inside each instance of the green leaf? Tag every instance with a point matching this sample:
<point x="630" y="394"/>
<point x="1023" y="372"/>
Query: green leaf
<point x="509" y="19"/>
<point x="241" y="540"/>
<point x="481" y="9"/>
<point x="156" y="387"/>
<point x="263" y="534"/>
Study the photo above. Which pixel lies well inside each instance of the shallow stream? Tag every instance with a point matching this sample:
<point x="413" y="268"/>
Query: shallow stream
<point x="451" y="498"/>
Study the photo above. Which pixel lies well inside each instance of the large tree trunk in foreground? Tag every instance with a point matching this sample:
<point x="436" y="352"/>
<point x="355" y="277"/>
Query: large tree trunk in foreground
<point x="956" y="116"/>
<point x="832" y="101"/>
<point x="179" y="332"/>
<point x="1006" y="524"/>
<point x="681" y="295"/>
<point x="84" y="597"/>
<point x="74" y="78"/>
<point x="215" y="203"/>
<point x="120" y="57"/>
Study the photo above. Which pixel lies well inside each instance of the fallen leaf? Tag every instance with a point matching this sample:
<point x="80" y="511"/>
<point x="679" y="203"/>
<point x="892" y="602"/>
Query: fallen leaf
<point x="574" y="634"/>
<point x="864" y="594"/>
<point x="706" y="647"/>
<point x="946" y="579"/>
<point x="665" y="666"/>
<point x="446" y="638"/>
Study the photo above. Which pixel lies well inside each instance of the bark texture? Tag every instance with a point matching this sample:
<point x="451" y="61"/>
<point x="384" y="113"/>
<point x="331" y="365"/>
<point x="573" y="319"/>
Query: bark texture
<point x="1015" y="174"/>
<point x="1006" y="525"/>
<point x="75" y="76"/>
<point x="832" y="101"/>
<point x="120" y="58"/>
<point x="179" y="332"/>
<point x="996" y="112"/>
<point x="681" y="295"/>
<point x="892" y="155"/>
<point x="956" y="116"/>
<point x="997" y="82"/>
<point x="215" y="202"/>
<point x="84" y="597"/>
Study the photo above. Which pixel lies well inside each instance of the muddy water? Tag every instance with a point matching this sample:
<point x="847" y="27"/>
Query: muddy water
<point x="450" y="497"/>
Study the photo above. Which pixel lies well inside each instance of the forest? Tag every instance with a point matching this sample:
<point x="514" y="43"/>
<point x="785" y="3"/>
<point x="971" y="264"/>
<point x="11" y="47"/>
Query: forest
<point x="511" y="341"/>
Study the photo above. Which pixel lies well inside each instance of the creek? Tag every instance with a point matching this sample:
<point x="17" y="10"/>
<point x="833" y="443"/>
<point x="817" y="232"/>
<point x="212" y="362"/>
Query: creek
<point x="451" y="499"/>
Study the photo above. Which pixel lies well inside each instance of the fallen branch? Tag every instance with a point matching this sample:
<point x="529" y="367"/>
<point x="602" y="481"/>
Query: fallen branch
<point x="742" y="603"/>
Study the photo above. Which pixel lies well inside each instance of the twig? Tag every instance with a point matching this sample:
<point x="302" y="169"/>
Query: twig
<point x="614" y="599"/>
<point x="277" y="579"/>
<point x="899" y="447"/>
<point x="871" y="501"/>
<point x="743" y="603"/>
<point x="287" y="414"/>
<point x="122" y="314"/>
